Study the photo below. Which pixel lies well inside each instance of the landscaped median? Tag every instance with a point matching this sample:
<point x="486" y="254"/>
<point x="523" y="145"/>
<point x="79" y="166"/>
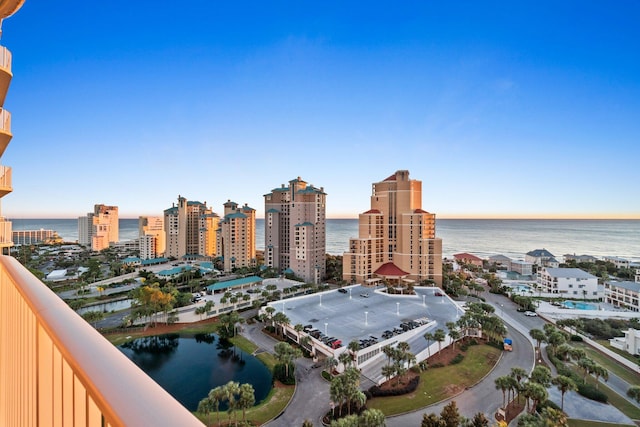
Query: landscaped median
<point x="437" y="384"/>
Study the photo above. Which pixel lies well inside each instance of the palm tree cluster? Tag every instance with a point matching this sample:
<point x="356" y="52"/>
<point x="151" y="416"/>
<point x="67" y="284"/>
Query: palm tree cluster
<point x="204" y="309"/>
<point x="450" y="417"/>
<point x="399" y="360"/>
<point x="285" y="354"/>
<point x="533" y="386"/>
<point x="345" y="390"/>
<point x="227" y="324"/>
<point x="148" y="300"/>
<point x="559" y="348"/>
<point x="478" y="317"/>
<point x="368" y="418"/>
<point x="236" y="396"/>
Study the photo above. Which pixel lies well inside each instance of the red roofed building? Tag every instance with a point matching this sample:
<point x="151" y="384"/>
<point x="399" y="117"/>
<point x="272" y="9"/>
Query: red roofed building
<point x="396" y="237"/>
<point x="465" y="258"/>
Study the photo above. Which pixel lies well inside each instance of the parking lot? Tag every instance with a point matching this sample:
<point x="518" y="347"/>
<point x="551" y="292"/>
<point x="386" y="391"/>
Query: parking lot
<point x="366" y="314"/>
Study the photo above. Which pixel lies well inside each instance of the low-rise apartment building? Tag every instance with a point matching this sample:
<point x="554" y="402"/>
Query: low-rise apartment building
<point x="571" y="282"/>
<point x="542" y="258"/>
<point x="623" y="294"/>
<point x="629" y="343"/>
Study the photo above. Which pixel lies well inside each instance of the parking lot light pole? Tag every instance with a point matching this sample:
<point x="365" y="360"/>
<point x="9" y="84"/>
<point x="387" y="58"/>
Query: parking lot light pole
<point x="366" y="319"/>
<point x="423" y="304"/>
<point x="320" y="298"/>
<point x="398" y="308"/>
<point x="325" y="329"/>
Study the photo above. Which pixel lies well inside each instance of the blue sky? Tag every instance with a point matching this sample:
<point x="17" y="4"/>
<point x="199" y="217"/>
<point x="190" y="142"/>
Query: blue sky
<point x="501" y="109"/>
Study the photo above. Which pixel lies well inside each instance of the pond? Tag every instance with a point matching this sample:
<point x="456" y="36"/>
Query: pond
<point x="189" y="367"/>
<point x="107" y="307"/>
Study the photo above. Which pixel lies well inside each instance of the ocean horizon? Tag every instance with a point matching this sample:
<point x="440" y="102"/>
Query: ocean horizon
<point x="482" y="237"/>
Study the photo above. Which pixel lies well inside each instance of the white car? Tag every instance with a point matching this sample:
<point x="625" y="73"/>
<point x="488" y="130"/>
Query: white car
<point x="530" y="313"/>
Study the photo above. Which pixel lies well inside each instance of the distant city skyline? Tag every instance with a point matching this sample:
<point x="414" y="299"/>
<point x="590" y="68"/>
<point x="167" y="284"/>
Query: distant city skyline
<point x="502" y="110"/>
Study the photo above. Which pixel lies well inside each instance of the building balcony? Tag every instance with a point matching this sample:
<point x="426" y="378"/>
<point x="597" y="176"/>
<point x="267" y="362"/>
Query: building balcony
<point x="5" y="181"/>
<point x="5" y="73"/>
<point x="5" y="130"/>
<point x="55" y="369"/>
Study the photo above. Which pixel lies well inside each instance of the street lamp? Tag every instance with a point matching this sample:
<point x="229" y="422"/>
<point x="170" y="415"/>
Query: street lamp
<point x="320" y="298"/>
<point x="423" y="300"/>
<point x="398" y="308"/>
<point x="366" y="319"/>
<point x="325" y="329"/>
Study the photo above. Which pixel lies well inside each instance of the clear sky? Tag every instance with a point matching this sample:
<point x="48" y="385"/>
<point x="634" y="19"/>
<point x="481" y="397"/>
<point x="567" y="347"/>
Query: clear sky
<point x="501" y="109"/>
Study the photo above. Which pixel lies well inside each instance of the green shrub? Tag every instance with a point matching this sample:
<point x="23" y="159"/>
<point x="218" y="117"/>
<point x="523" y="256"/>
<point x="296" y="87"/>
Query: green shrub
<point x="590" y="392"/>
<point x="457" y="359"/>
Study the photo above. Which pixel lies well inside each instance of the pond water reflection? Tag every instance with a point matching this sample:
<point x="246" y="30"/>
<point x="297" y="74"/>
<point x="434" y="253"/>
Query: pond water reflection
<point x="189" y="366"/>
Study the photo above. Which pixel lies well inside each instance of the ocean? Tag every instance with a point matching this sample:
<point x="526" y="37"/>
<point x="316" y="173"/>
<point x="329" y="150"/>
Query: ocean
<point x="481" y="237"/>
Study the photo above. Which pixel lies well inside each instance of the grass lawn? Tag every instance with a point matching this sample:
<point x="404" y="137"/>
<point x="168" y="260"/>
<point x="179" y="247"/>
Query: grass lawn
<point x="585" y="423"/>
<point x="437" y="384"/>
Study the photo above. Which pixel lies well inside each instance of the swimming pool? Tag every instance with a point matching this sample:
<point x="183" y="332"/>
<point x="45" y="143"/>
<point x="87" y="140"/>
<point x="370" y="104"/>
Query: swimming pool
<point x="519" y="287"/>
<point x="576" y="305"/>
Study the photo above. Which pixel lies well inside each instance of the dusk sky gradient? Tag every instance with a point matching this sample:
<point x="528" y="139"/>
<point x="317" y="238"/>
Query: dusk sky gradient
<point x="501" y="109"/>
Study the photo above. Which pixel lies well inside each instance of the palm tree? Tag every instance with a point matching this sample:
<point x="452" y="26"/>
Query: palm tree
<point x="231" y="389"/>
<point x="353" y="347"/>
<point x="503" y="383"/>
<point x="429" y="337"/>
<point x="387" y="371"/>
<point x="600" y="371"/>
<point x="330" y="364"/>
<point x="541" y="375"/>
<point x="586" y="365"/>
<point x="518" y="374"/>
<point x="537" y="393"/>
<point x="205" y="406"/>
<point x="439" y="336"/>
<point x="217" y="395"/>
<point x="246" y="399"/>
<point x="372" y="418"/>
<point x="539" y="336"/>
<point x="564" y="384"/>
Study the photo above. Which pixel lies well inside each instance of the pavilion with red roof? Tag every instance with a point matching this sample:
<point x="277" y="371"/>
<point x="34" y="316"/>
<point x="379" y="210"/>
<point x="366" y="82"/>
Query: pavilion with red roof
<point x="392" y="274"/>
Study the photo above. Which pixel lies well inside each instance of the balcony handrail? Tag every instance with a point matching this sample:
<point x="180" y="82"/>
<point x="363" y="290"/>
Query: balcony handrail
<point x="5" y="120"/>
<point x="5" y="58"/>
<point x="123" y="393"/>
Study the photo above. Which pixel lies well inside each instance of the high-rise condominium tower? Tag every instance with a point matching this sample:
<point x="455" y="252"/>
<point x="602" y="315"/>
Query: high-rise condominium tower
<point x="238" y="236"/>
<point x="99" y="228"/>
<point x="185" y="229"/>
<point x="396" y="239"/>
<point x="295" y="230"/>
<point x="7" y="8"/>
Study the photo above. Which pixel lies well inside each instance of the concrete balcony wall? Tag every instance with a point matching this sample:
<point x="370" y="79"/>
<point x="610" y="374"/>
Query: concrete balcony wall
<point x="5" y="73"/>
<point x="5" y="181"/>
<point x="56" y="370"/>
<point x="5" y="130"/>
<point x="6" y="235"/>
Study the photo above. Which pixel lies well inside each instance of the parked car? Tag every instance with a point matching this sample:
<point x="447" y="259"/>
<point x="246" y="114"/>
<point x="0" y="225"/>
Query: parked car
<point x="342" y="290"/>
<point x="365" y="295"/>
<point x="530" y="313"/>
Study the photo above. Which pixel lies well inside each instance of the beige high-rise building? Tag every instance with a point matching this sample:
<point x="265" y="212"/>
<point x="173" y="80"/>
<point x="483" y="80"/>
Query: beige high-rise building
<point x="7" y="8"/>
<point x="295" y="230"/>
<point x="397" y="241"/>
<point x="152" y="236"/>
<point x="99" y="228"/>
<point x="237" y="236"/>
<point x="184" y="233"/>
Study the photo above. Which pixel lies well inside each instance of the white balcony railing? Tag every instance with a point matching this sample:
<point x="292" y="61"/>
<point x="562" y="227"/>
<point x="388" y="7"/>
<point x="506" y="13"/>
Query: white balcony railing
<point x="56" y="370"/>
